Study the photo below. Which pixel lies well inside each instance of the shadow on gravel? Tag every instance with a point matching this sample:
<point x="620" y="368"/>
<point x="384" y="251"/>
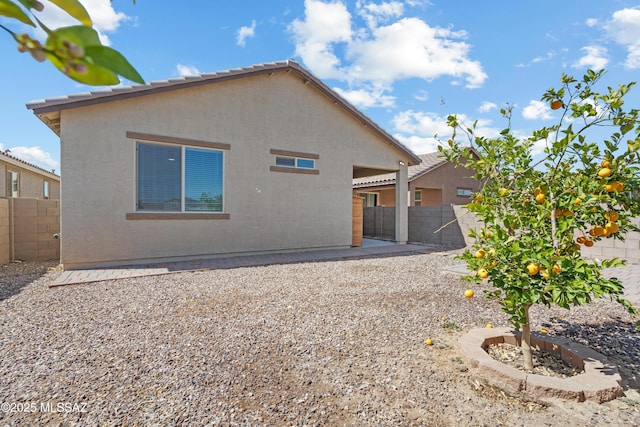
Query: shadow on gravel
<point x="17" y="275"/>
<point x="619" y="340"/>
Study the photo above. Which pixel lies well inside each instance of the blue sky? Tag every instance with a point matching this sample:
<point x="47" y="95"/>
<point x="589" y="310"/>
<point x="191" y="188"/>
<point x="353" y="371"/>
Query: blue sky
<point x="405" y="64"/>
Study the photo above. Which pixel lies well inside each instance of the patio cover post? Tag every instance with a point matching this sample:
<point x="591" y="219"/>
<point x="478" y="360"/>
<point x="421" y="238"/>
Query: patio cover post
<point x="402" y="211"/>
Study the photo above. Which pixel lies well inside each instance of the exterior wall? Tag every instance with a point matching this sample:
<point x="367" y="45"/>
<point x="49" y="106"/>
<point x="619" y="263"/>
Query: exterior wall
<point x="31" y="224"/>
<point x="30" y="183"/>
<point x="441" y="184"/>
<point x="439" y="187"/>
<point x="4" y="232"/>
<point x="268" y="211"/>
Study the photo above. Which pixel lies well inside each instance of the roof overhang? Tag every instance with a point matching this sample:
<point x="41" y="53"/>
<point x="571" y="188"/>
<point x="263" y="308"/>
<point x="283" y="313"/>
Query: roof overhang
<point x="48" y="110"/>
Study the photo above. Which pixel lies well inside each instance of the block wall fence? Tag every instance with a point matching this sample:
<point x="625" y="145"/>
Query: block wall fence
<point x="454" y="223"/>
<point x="27" y="227"/>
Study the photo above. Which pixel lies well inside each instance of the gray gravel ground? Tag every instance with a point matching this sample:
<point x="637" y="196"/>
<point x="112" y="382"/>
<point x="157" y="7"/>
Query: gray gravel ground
<point x="330" y="343"/>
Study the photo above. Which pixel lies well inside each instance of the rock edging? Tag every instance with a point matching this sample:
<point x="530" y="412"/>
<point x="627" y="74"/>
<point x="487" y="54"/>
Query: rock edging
<point x="600" y="381"/>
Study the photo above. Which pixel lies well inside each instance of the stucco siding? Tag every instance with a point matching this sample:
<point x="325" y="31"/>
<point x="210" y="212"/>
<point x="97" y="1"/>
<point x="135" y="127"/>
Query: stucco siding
<point x="268" y="210"/>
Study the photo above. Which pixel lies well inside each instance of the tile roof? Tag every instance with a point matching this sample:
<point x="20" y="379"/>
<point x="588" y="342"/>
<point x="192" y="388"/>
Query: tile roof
<point x="4" y="155"/>
<point x="48" y="110"/>
<point x="430" y="161"/>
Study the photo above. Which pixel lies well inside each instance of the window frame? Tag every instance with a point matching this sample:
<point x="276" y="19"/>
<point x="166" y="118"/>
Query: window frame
<point x="417" y="201"/>
<point x="183" y="173"/>
<point x="45" y="189"/>
<point x="296" y="165"/>
<point x="183" y="143"/>
<point x="462" y="192"/>
<point x="10" y="181"/>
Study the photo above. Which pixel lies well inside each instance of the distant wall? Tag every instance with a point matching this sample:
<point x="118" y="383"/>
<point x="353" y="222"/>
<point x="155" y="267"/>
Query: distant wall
<point x="4" y="232"/>
<point x="27" y="227"/>
<point x="379" y="222"/>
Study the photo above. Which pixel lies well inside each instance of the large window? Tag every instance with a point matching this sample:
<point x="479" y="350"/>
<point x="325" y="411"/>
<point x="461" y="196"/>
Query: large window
<point x="179" y="179"/>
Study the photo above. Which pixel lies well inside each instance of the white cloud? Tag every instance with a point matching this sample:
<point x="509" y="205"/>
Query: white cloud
<point x="383" y="12"/>
<point x="378" y="55"/>
<point x="487" y="107"/>
<point x="417" y="130"/>
<point x="325" y="25"/>
<point x="536" y="110"/>
<point x="34" y="155"/>
<point x="362" y="98"/>
<point x="595" y="57"/>
<point x="591" y="22"/>
<point x="624" y="29"/>
<point x="245" y="33"/>
<point x="105" y="18"/>
<point x="187" y="70"/>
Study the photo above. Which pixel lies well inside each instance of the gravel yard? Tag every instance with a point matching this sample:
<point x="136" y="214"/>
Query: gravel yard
<point x="328" y="343"/>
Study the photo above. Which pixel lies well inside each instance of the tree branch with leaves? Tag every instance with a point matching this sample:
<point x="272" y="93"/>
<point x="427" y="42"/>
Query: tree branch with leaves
<point x="74" y="50"/>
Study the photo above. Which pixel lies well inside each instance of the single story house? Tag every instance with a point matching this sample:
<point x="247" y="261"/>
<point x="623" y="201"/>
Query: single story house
<point x="252" y="160"/>
<point x="433" y="182"/>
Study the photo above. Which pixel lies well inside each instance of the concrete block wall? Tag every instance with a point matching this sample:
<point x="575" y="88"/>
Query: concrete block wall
<point x="380" y="222"/>
<point x="628" y="250"/>
<point x="435" y="225"/>
<point x="5" y="254"/>
<point x="33" y="222"/>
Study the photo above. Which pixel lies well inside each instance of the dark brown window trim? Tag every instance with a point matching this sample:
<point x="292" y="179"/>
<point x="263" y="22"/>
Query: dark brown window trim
<point x="177" y="140"/>
<point x="294" y="170"/>
<point x="176" y="216"/>
<point x="294" y="154"/>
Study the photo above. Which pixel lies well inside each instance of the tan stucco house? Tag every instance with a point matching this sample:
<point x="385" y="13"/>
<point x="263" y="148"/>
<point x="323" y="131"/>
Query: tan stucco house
<point x="29" y="215"/>
<point x="250" y="160"/>
<point x="433" y="182"/>
<point x="19" y="178"/>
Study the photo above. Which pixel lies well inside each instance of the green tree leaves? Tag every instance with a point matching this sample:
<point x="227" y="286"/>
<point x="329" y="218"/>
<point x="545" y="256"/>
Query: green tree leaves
<point x="537" y="214"/>
<point x="75" y="50"/>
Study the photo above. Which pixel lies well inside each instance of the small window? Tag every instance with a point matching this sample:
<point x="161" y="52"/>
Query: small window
<point x="45" y="190"/>
<point x="370" y="199"/>
<point x="295" y="162"/>
<point x="418" y="198"/>
<point x="286" y="161"/>
<point x="13" y="184"/>
<point x="464" y="192"/>
<point x="306" y="163"/>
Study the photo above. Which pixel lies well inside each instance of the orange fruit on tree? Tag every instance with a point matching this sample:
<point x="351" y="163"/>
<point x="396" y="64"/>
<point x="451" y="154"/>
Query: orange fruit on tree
<point x="482" y="273"/>
<point x="619" y="186"/>
<point x="577" y="201"/>
<point x="556" y="269"/>
<point x="588" y="243"/>
<point x="469" y="292"/>
<point x="598" y="230"/>
<point x="604" y="172"/>
<point x="480" y="253"/>
<point x="556" y="104"/>
<point x="533" y="268"/>
<point x="545" y="274"/>
<point x="581" y="239"/>
<point x="605" y="163"/>
<point x="611" y="227"/>
<point x="540" y="198"/>
<point x="611" y="216"/>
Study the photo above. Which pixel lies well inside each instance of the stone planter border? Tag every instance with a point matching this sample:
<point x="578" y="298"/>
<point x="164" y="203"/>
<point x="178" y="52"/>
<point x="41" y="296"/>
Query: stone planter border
<point x="600" y="382"/>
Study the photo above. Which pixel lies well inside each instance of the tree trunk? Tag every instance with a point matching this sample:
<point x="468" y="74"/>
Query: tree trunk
<point x="526" y="342"/>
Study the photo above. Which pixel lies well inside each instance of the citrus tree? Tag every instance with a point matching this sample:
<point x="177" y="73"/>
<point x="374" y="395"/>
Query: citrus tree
<point x="75" y="50"/>
<point x="538" y="211"/>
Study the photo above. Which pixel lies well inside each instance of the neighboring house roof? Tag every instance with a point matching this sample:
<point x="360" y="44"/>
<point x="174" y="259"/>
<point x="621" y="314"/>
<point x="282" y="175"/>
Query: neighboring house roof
<point x="430" y="161"/>
<point x="6" y="157"/>
<point x="48" y="110"/>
